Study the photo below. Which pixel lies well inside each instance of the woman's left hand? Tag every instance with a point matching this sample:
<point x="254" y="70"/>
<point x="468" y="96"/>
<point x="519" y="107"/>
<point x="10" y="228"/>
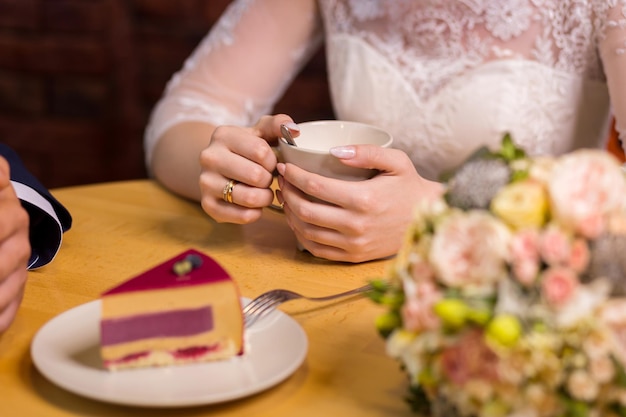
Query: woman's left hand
<point x="14" y="248"/>
<point x="362" y="220"/>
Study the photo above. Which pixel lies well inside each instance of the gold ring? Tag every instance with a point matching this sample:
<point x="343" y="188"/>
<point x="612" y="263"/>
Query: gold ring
<point x="227" y="192"/>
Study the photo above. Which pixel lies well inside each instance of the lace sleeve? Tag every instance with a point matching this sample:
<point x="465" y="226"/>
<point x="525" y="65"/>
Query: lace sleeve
<point x="241" y="68"/>
<point x="613" y="53"/>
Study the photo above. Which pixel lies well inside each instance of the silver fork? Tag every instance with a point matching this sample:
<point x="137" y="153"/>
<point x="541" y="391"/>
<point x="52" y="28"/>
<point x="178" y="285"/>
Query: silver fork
<point x="268" y="301"/>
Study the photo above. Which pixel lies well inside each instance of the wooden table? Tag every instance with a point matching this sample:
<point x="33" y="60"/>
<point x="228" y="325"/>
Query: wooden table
<point x="121" y="229"/>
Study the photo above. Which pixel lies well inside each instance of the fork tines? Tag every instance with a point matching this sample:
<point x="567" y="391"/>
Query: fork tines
<point x="259" y="307"/>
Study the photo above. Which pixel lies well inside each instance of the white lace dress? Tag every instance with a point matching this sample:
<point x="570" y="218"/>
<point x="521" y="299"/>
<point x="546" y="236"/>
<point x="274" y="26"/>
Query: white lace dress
<point x="443" y="76"/>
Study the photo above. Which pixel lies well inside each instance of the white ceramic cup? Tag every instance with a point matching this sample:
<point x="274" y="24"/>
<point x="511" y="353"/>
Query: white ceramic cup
<point x="317" y="137"/>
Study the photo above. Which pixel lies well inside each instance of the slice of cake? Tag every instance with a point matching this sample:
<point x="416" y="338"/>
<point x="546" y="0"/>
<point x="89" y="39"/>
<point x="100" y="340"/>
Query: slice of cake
<point x="184" y="310"/>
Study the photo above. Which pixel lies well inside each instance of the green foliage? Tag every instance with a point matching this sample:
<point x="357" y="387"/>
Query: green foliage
<point x="509" y="151"/>
<point x="418" y="401"/>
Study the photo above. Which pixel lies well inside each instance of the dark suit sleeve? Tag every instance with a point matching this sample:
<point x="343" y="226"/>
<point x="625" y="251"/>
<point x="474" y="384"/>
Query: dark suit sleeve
<point x="49" y="219"/>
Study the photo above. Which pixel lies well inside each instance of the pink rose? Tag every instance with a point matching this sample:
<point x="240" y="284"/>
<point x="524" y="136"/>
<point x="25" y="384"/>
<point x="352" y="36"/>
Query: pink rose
<point x="559" y="284"/>
<point x="525" y="255"/>
<point x="554" y="246"/>
<point x="469" y="359"/>
<point x="585" y="187"/>
<point x="422" y="271"/>
<point x="526" y="272"/>
<point x="418" y="312"/>
<point x="579" y="256"/>
<point x="592" y="226"/>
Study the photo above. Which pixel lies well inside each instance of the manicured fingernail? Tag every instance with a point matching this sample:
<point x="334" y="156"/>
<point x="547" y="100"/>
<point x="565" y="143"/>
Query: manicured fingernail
<point x="292" y="126"/>
<point x="280" y="167"/>
<point x="343" y="152"/>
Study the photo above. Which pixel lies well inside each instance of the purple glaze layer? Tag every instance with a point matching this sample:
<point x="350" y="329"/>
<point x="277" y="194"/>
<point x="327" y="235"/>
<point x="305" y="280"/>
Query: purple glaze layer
<point x="163" y="276"/>
<point x="175" y="323"/>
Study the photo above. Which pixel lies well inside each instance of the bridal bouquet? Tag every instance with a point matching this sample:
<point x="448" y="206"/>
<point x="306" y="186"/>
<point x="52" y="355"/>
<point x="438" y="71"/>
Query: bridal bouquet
<point x="508" y="297"/>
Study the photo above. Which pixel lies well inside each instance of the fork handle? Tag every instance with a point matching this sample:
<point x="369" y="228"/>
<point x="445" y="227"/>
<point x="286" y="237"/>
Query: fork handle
<point x="342" y="294"/>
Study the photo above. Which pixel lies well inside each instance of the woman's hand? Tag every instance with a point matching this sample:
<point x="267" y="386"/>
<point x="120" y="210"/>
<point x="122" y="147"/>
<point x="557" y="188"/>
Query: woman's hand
<point x="14" y="249"/>
<point x="245" y="156"/>
<point x="363" y="220"/>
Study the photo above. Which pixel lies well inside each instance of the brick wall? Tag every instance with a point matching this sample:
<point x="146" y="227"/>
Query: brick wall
<point x="78" y="79"/>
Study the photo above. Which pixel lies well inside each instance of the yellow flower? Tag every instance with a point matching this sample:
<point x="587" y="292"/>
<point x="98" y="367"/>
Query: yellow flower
<point x="504" y="329"/>
<point x="452" y="311"/>
<point x="521" y="204"/>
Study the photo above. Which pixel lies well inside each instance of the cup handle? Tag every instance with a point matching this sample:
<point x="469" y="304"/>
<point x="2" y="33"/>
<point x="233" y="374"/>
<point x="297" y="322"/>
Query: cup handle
<point x="276" y="207"/>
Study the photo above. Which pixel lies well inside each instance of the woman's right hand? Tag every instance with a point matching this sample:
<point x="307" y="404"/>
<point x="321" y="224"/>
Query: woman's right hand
<point x="245" y="156"/>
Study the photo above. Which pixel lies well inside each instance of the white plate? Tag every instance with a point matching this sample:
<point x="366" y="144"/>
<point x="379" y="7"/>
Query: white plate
<point x="66" y="351"/>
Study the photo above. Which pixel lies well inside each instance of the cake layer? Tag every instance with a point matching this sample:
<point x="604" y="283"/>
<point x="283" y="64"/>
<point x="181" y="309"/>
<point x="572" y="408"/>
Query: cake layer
<point x="169" y="344"/>
<point x="176" y="357"/>
<point x="171" y="299"/>
<point x="173" y="323"/>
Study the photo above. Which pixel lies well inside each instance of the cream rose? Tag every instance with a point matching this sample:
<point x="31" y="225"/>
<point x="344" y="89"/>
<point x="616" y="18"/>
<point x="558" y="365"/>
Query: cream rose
<point x="470" y="248"/>
<point x="585" y="187"/>
<point x="521" y="204"/>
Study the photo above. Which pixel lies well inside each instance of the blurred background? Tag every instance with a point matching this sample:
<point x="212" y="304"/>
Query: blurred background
<point x="78" y="79"/>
